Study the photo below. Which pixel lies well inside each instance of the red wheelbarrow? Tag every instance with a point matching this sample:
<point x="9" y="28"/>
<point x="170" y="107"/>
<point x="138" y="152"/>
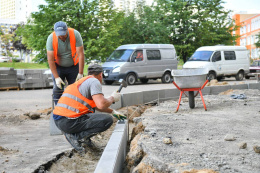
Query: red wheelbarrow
<point x="190" y="80"/>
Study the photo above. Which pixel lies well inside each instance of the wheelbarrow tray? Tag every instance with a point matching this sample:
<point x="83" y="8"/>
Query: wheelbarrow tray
<point x="189" y="78"/>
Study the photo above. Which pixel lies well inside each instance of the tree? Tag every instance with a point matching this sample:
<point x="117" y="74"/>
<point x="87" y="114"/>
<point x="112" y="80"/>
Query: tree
<point x="187" y="24"/>
<point x="6" y="43"/>
<point x="94" y="19"/>
<point x="257" y="43"/>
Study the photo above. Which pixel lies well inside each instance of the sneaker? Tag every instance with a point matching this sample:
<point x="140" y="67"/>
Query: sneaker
<point x="75" y="144"/>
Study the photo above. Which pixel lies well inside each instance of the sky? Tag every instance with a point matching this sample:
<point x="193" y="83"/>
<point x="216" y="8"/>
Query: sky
<point x="250" y="6"/>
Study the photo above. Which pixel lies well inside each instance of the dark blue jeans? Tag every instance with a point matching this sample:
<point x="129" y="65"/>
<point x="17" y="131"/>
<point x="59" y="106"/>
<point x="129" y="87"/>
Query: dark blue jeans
<point x="85" y="126"/>
<point x="68" y="73"/>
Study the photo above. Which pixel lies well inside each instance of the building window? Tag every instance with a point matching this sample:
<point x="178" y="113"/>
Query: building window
<point x="248" y="40"/>
<point x="248" y="28"/>
<point x="253" y="53"/>
<point x="252" y="39"/>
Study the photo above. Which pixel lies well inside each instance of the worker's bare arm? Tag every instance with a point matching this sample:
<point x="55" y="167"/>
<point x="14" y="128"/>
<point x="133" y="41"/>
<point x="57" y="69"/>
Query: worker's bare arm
<point x="80" y="52"/>
<point x="50" y="55"/>
<point x="103" y="103"/>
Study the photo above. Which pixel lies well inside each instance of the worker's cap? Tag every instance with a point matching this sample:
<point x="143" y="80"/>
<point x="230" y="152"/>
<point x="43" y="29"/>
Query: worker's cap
<point x="95" y="68"/>
<point x="60" y="28"/>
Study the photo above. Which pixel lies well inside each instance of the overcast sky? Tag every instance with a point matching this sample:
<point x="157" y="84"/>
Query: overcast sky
<point x="250" y="6"/>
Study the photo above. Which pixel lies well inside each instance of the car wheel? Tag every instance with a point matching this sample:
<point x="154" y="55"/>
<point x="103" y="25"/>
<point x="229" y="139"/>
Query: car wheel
<point x="240" y="75"/>
<point x="166" y="78"/>
<point x="108" y="82"/>
<point x="131" y="79"/>
<point x="211" y="75"/>
<point x="144" y="80"/>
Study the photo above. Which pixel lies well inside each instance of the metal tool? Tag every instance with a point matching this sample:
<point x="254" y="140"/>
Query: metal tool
<point x="123" y="84"/>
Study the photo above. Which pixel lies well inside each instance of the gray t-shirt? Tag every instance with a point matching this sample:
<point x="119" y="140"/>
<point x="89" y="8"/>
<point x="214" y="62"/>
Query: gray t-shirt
<point x="90" y="87"/>
<point x="64" y="49"/>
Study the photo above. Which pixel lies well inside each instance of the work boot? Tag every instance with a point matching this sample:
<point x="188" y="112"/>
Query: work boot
<point x="75" y="143"/>
<point x="89" y="144"/>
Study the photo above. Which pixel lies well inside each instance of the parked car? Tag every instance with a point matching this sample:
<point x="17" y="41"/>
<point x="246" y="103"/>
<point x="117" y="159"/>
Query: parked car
<point x="4" y="58"/>
<point x="254" y="68"/>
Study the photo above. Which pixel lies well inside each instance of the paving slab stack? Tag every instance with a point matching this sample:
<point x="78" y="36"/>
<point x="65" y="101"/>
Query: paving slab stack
<point x="32" y="78"/>
<point x="49" y="81"/>
<point x="8" y="78"/>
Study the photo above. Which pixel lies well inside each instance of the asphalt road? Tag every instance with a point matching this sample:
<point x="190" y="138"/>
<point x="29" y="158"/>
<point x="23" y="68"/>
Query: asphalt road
<point x="14" y="101"/>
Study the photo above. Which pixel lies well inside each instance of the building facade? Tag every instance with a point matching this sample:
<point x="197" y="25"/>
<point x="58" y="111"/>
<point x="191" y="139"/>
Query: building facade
<point x="250" y="28"/>
<point x="129" y="5"/>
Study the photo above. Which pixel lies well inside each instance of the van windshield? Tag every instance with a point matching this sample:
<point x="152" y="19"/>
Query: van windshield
<point x="120" y="55"/>
<point x="201" y="56"/>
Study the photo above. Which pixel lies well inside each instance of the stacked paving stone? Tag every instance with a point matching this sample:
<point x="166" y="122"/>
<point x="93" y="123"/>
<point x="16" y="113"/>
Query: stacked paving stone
<point x="8" y="78"/>
<point x="32" y="78"/>
<point x="49" y="81"/>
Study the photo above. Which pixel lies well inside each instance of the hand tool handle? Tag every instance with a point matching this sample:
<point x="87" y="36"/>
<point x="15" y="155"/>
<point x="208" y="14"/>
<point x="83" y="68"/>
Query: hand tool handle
<point x="120" y="88"/>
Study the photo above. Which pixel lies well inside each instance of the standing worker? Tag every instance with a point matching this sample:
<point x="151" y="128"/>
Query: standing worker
<point x="65" y="54"/>
<point x="75" y="114"/>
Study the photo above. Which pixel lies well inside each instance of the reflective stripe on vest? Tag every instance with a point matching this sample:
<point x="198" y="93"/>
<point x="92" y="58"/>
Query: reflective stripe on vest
<point x="72" y="103"/>
<point x="72" y="38"/>
<point x="78" y="100"/>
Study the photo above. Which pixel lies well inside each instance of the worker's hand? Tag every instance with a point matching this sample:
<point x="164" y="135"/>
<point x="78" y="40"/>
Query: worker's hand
<point x="118" y="115"/>
<point x="58" y="82"/>
<point x="116" y="96"/>
<point x="79" y="77"/>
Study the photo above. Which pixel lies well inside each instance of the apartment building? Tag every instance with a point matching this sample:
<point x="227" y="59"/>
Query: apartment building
<point x="129" y="5"/>
<point x="250" y="27"/>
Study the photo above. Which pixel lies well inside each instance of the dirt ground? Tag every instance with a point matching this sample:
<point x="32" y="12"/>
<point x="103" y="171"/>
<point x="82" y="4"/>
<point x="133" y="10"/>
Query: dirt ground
<point x="223" y="139"/>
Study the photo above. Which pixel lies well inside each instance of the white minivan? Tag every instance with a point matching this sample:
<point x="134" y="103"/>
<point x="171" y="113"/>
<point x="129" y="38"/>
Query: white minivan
<point x="140" y="61"/>
<point x="221" y="61"/>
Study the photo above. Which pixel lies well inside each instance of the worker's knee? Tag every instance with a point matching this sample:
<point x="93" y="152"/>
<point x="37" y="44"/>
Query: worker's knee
<point x="108" y="121"/>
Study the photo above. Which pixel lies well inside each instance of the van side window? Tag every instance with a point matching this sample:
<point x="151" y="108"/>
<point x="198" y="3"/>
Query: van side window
<point x="230" y="55"/>
<point x="217" y="56"/>
<point x="139" y="55"/>
<point x="153" y="54"/>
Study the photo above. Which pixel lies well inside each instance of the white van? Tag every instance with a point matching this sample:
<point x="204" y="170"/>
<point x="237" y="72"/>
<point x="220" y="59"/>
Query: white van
<point x="140" y="61"/>
<point x="221" y="61"/>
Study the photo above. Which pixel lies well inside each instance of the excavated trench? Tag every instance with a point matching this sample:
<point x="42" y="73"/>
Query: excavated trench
<point x="71" y="160"/>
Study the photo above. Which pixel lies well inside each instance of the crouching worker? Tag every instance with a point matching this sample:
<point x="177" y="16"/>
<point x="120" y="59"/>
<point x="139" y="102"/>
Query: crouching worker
<point x="75" y="114"/>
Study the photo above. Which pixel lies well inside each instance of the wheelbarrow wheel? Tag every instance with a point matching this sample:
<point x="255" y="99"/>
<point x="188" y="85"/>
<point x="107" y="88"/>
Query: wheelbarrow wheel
<point x="191" y="99"/>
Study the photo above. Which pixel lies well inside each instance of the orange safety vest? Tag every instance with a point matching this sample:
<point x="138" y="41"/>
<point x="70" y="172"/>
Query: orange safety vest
<point x="72" y="103"/>
<point x="74" y="54"/>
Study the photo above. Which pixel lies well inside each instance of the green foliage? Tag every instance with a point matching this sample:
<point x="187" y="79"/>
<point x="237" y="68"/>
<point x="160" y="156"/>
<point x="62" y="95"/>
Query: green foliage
<point x="1" y="32"/>
<point x="94" y="19"/>
<point x="20" y="65"/>
<point x="6" y="39"/>
<point x="257" y="44"/>
<point x="187" y="24"/>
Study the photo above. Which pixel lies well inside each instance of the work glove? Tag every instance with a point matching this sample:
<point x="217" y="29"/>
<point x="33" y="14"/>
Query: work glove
<point x="118" y="115"/>
<point x="116" y="96"/>
<point x="58" y="82"/>
<point x="79" y="77"/>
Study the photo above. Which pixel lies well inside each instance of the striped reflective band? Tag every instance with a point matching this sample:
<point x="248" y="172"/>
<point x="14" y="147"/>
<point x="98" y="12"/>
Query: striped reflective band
<point x="78" y="100"/>
<point x="76" y="57"/>
<point x="67" y="107"/>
